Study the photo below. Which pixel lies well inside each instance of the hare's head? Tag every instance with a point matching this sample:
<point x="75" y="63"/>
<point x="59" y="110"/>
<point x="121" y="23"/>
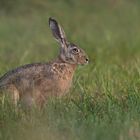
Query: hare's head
<point x="69" y="52"/>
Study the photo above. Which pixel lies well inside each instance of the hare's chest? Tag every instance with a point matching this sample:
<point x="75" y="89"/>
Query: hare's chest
<point x="64" y="85"/>
<point x="63" y="75"/>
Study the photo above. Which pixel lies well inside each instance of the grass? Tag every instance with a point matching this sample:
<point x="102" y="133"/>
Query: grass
<point x="104" y="101"/>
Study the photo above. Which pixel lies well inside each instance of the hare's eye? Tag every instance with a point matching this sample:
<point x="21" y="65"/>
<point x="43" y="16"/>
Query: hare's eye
<point x="75" y="50"/>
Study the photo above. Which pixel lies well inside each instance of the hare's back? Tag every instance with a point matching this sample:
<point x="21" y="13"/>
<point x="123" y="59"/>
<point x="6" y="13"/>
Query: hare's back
<point x="28" y="71"/>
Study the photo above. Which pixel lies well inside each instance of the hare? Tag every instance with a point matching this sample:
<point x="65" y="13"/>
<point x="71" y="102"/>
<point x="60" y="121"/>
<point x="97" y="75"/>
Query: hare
<point x="34" y="83"/>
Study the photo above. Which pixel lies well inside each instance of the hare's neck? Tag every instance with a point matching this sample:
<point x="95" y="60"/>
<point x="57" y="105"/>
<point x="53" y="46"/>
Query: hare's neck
<point x="64" y="69"/>
<point x="68" y="65"/>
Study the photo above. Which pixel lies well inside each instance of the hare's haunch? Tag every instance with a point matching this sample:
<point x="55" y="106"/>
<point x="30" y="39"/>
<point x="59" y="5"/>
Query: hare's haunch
<point x="34" y="83"/>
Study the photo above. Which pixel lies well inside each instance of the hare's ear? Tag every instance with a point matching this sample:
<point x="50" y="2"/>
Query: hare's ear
<point x="57" y="31"/>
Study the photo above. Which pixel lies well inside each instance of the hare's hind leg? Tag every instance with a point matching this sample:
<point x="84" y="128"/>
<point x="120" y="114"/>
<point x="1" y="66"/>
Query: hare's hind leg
<point x="13" y="93"/>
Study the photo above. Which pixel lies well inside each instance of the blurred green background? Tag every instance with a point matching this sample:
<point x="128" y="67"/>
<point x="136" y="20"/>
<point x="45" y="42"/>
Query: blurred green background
<point x="104" y="101"/>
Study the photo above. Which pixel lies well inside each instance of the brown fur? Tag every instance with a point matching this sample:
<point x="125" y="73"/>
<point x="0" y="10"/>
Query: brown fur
<point x="34" y="83"/>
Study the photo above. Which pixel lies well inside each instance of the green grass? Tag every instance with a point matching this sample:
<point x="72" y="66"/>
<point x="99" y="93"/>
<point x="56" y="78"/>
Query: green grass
<point x="104" y="103"/>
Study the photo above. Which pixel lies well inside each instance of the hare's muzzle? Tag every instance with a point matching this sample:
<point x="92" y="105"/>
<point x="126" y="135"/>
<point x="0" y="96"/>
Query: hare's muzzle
<point x="85" y="61"/>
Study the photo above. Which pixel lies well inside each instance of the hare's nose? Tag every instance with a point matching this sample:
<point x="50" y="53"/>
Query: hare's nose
<point x="87" y="60"/>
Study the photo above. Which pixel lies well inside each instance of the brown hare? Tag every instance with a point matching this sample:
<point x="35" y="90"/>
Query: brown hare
<point x="34" y="83"/>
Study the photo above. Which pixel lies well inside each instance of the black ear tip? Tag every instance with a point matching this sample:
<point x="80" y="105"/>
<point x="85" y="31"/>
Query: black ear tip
<point x="52" y="20"/>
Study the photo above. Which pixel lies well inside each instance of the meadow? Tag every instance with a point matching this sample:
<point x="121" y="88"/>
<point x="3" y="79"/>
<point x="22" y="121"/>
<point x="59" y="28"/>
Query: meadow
<point x="104" y="102"/>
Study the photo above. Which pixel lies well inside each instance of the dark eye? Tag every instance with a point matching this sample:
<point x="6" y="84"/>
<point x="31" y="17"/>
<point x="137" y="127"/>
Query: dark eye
<point x="75" y="50"/>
